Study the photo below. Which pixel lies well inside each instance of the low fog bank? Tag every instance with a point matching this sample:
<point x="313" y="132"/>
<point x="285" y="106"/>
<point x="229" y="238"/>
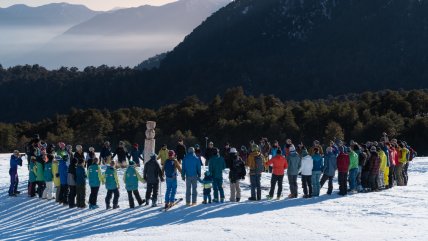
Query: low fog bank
<point x="81" y="51"/>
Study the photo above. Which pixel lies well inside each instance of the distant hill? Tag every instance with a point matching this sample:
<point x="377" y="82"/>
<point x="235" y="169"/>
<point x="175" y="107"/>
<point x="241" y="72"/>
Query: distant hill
<point x="124" y="37"/>
<point x="304" y="49"/>
<point x="46" y="15"/>
<point x="176" y="17"/>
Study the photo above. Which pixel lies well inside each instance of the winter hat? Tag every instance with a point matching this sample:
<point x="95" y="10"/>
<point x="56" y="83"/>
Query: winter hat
<point x="171" y="153"/>
<point x="207" y="173"/>
<point x="79" y="148"/>
<point x="69" y="147"/>
<point x="292" y="148"/>
<point x="61" y="145"/>
<point x="329" y="149"/>
<point x="191" y="150"/>
<point x="91" y="149"/>
<point x="131" y="163"/>
<point x="153" y="156"/>
<point x="197" y="146"/>
<point x="211" y="143"/>
<point x="255" y="147"/>
<point x="233" y="150"/>
<point x="136" y="145"/>
<point x="243" y="148"/>
<point x="107" y="143"/>
<point x="305" y="152"/>
<point x="373" y="149"/>
<point x="16" y="152"/>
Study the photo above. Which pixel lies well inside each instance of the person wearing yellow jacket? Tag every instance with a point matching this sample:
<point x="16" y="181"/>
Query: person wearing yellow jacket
<point x="56" y="181"/>
<point x="383" y="166"/>
<point x="402" y="160"/>
<point x="163" y="154"/>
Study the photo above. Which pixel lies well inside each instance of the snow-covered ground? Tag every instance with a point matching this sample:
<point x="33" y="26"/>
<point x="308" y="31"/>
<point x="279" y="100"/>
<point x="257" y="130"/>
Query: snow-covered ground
<point x="400" y="213"/>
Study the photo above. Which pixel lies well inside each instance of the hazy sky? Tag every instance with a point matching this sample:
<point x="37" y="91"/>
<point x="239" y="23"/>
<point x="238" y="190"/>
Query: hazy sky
<point x="93" y="4"/>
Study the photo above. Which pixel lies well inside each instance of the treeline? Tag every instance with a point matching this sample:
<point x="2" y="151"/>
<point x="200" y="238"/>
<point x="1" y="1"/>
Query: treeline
<point x="238" y="118"/>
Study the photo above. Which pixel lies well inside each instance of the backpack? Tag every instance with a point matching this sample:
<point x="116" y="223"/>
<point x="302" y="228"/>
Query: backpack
<point x="259" y="164"/>
<point x="239" y="166"/>
<point x="170" y="169"/>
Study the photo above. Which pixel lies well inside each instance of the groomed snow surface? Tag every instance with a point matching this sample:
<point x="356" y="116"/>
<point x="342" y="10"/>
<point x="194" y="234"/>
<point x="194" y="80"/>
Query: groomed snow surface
<point x="400" y="213"/>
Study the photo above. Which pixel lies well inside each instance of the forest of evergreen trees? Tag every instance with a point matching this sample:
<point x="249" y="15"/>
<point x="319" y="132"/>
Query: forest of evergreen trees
<point x="238" y="118"/>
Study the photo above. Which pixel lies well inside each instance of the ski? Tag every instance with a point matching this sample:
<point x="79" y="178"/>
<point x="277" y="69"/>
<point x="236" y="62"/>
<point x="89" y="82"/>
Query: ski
<point x="163" y="209"/>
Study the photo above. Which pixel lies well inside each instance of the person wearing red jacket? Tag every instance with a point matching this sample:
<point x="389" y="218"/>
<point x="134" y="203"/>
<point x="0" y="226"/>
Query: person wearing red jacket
<point x="342" y="167"/>
<point x="279" y="164"/>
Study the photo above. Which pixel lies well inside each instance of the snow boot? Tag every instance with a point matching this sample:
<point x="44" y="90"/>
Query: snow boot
<point x="222" y="200"/>
<point x="116" y="207"/>
<point x="252" y="199"/>
<point x="238" y="199"/>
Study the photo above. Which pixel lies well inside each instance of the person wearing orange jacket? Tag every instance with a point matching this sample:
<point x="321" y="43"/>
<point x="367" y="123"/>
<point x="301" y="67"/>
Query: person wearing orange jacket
<point x="279" y="164"/>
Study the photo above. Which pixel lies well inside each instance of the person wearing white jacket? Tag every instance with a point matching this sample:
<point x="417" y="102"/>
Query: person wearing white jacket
<point x="306" y="171"/>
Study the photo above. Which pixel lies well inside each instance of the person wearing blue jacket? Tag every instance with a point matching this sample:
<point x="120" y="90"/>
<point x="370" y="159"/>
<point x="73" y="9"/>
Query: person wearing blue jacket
<point x="316" y="172"/>
<point x="136" y="155"/>
<point x="95" y="178"/>
<point x="191" y="172"/>
<point x="63" y="175"/>
<point x="48" y="175"/>
<point x="216" y="167"/>
<point x="329" y="169"/>
<point x="112" y="185"/>
<point x="294" y="164"/>
<point x="15" y="161"/>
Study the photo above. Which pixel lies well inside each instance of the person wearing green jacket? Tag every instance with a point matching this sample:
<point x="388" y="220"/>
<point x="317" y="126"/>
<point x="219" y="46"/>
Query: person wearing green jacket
<point x="353" y="169"/>
<point x="32" y="177"/>
<point x="48" y="178"/>
<point x="216" y="166"/>
<point x="131" y="178"/>
<point x="39" y="171"/>
<point x="95" y="178"/>
<point x="112" y="185"/>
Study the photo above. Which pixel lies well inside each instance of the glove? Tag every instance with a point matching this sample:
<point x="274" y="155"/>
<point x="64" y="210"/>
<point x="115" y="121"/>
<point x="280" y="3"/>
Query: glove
<point x="57" y="175"/>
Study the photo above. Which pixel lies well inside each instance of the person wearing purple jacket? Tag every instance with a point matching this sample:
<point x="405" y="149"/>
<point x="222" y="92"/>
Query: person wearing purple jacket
<point x="15" y="161"/>
<point x="374" y="169"/>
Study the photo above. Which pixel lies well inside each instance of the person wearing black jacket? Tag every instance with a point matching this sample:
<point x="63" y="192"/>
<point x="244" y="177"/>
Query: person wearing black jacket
<point x="152" y="175"/>
<point x="105" y="154"/>
<point x="209" y="152"/>
<point x="237" y="172"/>
<point x="362" y="158"/>
<point x="78" y="157"/>
<point x="122" y="154"/>
<point x="365" y="172"/>
<point x="180" y="150"/>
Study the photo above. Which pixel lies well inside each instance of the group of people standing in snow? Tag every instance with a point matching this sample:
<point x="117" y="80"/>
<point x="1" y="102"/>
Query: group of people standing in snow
<point x="372" y="166"/>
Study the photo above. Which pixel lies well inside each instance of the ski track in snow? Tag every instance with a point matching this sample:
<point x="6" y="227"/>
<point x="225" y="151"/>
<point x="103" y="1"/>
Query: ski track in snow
<point x="400" y="213"/>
